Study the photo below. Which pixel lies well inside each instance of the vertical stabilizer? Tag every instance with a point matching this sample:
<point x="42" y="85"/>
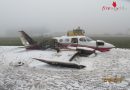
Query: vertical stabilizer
<point x="27" y="41"/>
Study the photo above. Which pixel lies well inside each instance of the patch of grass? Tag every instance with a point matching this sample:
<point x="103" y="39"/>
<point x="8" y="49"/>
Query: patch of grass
<point x="10" y="42"/>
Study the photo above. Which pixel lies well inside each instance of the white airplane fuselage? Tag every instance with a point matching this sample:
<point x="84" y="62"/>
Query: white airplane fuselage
<point x="83" y="41"/>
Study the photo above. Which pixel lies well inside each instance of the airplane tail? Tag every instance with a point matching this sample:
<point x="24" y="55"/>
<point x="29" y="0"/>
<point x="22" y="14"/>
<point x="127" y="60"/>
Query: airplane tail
<point x="27" y="41"/>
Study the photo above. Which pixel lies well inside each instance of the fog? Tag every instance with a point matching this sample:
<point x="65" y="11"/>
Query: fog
<point x="50" y="16"/>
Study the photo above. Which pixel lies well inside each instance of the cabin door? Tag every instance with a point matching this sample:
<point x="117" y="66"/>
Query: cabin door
<point x="74" y="41"/>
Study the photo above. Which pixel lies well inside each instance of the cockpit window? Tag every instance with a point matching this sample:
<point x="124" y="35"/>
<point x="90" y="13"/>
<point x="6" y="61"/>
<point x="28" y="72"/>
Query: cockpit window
<point x="89" y="39"/>
<point x="82" y="39"/>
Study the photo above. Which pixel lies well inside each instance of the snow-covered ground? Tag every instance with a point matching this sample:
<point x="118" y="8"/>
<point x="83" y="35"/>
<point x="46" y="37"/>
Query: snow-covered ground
<point x="35" y="75"/>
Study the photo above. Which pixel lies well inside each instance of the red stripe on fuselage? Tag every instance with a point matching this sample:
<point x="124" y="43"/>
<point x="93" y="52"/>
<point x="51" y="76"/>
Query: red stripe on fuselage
<point x="75" y="45"/>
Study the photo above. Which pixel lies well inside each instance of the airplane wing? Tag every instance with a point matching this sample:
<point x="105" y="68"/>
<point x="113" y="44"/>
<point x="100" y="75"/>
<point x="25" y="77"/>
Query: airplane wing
<point x="83" y="51"/>
<point x="61" y="64"/>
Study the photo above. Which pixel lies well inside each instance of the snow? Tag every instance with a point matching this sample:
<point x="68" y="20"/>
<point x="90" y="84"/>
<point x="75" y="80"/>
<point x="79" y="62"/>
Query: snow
<point x="35" y="75"/>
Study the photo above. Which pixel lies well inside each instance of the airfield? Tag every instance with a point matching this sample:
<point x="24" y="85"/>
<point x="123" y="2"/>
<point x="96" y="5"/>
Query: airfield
<point x="34" y="75"/>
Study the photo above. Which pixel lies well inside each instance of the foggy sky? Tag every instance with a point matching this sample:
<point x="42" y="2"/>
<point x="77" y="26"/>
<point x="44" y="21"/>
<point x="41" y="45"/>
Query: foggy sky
<point x="44" y="16"/>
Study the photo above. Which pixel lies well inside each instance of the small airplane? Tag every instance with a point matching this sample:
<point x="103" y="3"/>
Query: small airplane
<point x="68" y="41"/>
